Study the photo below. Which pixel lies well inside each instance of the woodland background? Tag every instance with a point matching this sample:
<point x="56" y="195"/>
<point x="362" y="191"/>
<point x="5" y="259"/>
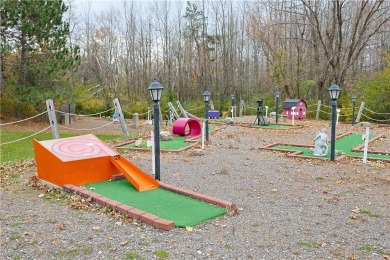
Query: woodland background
<point x="72" y="53"/>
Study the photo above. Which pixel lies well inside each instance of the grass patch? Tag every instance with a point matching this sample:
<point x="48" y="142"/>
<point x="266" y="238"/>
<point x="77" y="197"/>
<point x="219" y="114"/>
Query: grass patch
<point x="370" y="248"/>
<point x="143" y="243"/>
<point x="369" y="213"/>
<point x="14" y="236"/>
<point x="23" y="149"/>
<point x="133" y="256"/>
<point x="309" y="244"/>
<point x="52" y="221"/>
<point x="161" y="254"/>
<point x="229" y="247"/>
<point x="73" y="252"/>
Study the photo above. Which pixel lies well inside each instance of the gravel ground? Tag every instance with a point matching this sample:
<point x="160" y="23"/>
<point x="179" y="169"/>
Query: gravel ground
<point x="288" y="208"/>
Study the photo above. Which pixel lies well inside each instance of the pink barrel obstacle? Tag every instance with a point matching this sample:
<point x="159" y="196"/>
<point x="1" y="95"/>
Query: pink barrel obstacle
<point x="180" y="125"/>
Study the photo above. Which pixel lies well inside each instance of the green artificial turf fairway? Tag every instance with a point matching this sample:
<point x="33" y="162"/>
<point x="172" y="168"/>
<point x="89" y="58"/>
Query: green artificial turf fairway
<point x="182" y="210"/>
<point x="345" y="144"/>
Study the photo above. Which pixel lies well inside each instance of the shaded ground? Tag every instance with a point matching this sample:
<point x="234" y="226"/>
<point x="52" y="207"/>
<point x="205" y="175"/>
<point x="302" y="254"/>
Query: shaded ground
<point x="289" y="208"/>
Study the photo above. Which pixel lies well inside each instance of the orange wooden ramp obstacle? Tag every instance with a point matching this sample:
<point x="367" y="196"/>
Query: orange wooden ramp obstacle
<point x="85" y="159"/>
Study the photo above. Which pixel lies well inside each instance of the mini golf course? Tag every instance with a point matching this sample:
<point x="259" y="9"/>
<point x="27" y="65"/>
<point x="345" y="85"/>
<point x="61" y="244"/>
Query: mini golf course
<point x="350" y="145"/>
<point x="178" y="143"/>
<point x="182" y="210"/>
<point x="86" y="166"/>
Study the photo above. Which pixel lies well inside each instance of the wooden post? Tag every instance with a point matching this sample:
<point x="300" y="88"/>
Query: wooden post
<point x="173" y="110"/>
<point x="360" y="112"/>
<point x="241" y="108"/>
<point x="318" y="109"/>
<point x="52" y="118"/>
<point x="135" y="120"/>
<point x="183" y="112"/>
<point x="118" y="110"/>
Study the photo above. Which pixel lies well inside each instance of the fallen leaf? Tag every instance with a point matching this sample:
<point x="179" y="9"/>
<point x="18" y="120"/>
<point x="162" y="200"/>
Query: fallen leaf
<point x="189" y="228"/>
<point x="352" y="216"/>
<point x="61" y="226"/>
<point x="96" y="228"/>
<point x="118" y="223"/>
<point x="356" y="210"/>
<point x="123" y="243"/>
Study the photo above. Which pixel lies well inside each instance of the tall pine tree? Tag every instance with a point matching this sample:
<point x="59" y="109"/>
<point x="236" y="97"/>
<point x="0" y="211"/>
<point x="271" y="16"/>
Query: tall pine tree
<point x="34" y="51"/>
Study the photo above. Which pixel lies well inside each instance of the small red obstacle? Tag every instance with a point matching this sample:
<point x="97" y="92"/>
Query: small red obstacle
<point x="180" y="126"/>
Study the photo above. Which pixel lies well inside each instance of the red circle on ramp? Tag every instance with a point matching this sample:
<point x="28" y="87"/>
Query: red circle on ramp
<point x="77" y="148"/>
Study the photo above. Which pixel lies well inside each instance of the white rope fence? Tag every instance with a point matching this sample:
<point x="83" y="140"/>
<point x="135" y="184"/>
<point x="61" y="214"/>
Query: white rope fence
<point x="26" y="137"/>
<point x="344" y="112"/>
<point x="376" y="112"/>
<point x="373" y="119"/>
<point x="22" y="120"/>
<point x="254" y="108"/>
<point x="325" y="112"/>
<point x="87" y="129"/>
<point x="130" y="114"/>
<point x="81" y="115"/>
<point x="51" y="115"/>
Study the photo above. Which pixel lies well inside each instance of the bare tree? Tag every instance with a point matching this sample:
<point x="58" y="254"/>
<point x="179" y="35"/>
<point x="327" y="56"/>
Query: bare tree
<point x="341" y="30"/>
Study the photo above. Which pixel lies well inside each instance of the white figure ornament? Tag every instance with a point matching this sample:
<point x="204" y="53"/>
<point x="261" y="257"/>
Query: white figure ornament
<point x="321" y="144"/>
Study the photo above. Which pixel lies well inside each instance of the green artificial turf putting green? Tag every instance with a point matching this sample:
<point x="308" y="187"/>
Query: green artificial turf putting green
<point x="178" y="142"/>
<point x="345" y="144"/>
<point x="273" y="126"/>
<point x="182" y="210"/>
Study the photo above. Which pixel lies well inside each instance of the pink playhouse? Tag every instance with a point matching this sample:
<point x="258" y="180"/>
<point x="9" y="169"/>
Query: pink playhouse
<point x="299" y="111"/>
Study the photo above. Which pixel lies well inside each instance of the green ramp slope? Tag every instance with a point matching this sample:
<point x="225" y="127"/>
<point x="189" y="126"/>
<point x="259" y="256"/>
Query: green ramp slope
<point x="182" y="210"/>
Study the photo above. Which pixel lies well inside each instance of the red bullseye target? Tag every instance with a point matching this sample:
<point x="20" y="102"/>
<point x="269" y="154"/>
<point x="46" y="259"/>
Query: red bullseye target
<point x="77" y="148"/>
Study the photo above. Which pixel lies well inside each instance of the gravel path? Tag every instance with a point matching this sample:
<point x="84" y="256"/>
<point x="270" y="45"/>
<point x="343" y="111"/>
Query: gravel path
<point x="289" y="208"/>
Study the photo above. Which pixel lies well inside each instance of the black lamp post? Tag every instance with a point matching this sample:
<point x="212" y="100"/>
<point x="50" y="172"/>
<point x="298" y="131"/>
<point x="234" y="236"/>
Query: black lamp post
<point x="155" y="92"/>
<point x="206" y="96"/>
<point x="277" y="106"/>
<point x="334" y="92"/>
<point x="260" y="119"/>
<point x="353" y="109"/>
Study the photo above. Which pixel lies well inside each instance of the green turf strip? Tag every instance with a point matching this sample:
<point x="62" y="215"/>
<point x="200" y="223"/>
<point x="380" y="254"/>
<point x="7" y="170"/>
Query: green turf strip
<point x="182" y="210"/>
<point x="177" y="143"/>
<point x="274" y="126"/>
<point x="345" y="144"/>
